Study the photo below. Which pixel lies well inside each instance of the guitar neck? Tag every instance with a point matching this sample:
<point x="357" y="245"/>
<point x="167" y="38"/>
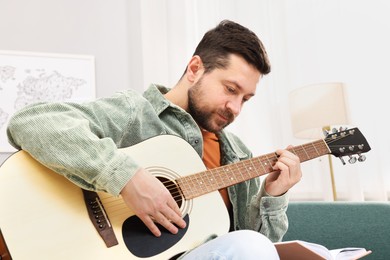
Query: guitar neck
<point x="197" y="184"/>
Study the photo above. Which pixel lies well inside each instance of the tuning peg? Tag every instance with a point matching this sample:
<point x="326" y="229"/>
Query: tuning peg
<point x="325" y="132"/>
<point x="342" y="160"/>
<point x="342" y="129"/>
<point x="352" y="159"/>
<point x="361" y="158"/>
<point x="334" y="130"/>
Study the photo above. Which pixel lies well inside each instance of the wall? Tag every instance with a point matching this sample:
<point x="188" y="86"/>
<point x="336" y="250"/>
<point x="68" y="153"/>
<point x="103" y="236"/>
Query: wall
<point x="88" y="27"/>
<point x="346" y="41"/>
<point x="308" y="42"/>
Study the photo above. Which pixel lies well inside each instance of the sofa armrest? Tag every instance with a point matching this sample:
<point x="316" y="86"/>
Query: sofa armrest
<point x="342" y="224"/>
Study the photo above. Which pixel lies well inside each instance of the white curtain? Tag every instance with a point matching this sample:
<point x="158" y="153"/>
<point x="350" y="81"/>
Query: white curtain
<point x="308" y="42"/>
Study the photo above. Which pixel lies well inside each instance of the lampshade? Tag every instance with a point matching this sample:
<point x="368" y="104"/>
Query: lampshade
<point x="316" y="106"/>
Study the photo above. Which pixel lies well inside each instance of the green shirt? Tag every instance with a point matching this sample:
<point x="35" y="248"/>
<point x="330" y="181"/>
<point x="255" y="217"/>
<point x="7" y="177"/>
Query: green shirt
<point x="81" y="141"/>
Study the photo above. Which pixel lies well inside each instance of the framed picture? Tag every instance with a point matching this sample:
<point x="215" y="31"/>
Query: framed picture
<point x="27" y="78"/>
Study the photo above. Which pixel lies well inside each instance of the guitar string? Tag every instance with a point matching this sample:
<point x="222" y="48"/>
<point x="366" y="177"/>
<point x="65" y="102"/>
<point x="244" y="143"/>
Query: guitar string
<point x="307" y="150"/>
<point x="243" y="165"/>
<point x="175" y="191"/>
<point x="111" y="202"/>
<point x="337" y="137"/>
<point x="172" y="187"/>
<point x="297" y="150"/>
<point x="123" y="209"/>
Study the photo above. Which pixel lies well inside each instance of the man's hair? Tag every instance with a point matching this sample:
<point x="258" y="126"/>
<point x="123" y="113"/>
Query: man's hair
<point x="232" y="38"/>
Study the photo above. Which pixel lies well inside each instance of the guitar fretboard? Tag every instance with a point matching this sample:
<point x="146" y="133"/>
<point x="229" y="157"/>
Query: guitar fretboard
<point x="197" y="184"/>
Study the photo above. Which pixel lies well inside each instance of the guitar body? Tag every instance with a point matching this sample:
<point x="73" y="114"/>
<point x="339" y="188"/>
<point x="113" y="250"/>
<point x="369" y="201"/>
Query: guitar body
<point x="44" y="216"/>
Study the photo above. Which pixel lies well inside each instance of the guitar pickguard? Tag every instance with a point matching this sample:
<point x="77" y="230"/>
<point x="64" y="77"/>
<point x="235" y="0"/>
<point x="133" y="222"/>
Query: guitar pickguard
<point x="142" y="243"/>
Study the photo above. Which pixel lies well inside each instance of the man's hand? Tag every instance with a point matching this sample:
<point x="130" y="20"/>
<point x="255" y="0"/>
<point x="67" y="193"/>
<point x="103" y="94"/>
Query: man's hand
<point x="287" y="173"/>
<point x="152" y="202"/>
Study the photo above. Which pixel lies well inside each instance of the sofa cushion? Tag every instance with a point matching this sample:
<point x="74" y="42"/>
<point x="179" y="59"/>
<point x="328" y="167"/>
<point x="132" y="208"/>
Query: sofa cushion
<point x="342" y="224"/>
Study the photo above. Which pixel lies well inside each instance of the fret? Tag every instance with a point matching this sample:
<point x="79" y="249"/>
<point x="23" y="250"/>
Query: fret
<point x="293" y="150"/>
<point x="301" y="153"/>
<point x="264" y="163"/>
<point x="218" y="176"/>
<point x="185" y="186"/>
<point x="208" y="185"/>
<point x="271" y="162"/>
<point x="232" y="176"/>
<point x="211" y="178"/>
<point x="225" y="176"/>
<point x="252" y="167"/>
<point x="193" y="184"/>
<point x="204" y="182"/>
<point x="249" y="169"/>
<point x="325" y="148"/>
<point x="305" y="152"/>
<point x="315" y="148"/>
<point x="238" y="176"/>
<point x="258" y="159"/>
<point x="307" y="155"/>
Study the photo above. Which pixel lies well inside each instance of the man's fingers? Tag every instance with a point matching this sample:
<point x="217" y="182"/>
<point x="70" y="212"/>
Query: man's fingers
<point x="150" y="224"/>
<point x="174" y="216"/>
<point x="167" y="224"/>
<point x="173" y="205"/>
<point x="164" y="222"/>
<point x="152" y="203"/>
<point x="170" y="221"/>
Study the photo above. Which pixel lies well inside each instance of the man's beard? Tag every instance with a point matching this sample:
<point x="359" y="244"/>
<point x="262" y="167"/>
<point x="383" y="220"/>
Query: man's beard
<point x="204" y="115"/>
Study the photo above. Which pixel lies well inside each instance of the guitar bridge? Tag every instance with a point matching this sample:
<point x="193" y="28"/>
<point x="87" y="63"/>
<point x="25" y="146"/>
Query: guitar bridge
<point x="99" y="218"/>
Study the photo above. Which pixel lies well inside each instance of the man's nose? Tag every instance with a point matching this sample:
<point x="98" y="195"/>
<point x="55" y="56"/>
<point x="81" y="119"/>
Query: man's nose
<point x="235" y="106"/>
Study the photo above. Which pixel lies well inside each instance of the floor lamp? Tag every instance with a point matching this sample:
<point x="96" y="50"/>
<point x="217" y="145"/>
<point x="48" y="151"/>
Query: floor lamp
<point x="317" y="108"/>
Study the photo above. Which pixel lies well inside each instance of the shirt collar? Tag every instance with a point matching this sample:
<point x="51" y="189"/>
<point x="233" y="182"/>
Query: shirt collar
<point x="155" y="95"/>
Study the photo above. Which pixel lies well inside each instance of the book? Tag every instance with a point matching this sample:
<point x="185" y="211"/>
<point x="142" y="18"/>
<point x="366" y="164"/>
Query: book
<point x="302" y="250"/>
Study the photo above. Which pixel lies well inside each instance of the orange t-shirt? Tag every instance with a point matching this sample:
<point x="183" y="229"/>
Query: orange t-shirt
<point x="212" y="158"/>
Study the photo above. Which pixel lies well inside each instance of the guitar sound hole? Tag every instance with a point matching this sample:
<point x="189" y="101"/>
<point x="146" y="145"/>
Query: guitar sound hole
<point x="173" y="189"/>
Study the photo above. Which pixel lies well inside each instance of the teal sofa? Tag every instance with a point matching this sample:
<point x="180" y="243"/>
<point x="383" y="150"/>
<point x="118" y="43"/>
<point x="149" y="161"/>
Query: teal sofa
<point x="342" y="224"/>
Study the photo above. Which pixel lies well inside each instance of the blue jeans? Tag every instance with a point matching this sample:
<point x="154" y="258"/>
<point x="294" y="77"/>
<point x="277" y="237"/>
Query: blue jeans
<point x="240" y="245"/>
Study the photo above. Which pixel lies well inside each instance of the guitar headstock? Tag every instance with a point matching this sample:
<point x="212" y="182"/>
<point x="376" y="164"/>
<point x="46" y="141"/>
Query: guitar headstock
<point x="348" y="143"/>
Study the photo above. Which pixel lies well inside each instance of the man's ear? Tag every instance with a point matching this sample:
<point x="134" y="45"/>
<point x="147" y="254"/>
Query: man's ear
<point x="194" y="69"/>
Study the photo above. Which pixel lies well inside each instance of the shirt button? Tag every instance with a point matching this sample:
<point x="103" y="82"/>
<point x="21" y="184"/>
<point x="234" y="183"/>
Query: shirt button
<point x="196" y="141"/>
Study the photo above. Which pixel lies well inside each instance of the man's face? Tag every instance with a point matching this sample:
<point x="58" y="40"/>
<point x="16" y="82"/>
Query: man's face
<point x="216" y="98"/>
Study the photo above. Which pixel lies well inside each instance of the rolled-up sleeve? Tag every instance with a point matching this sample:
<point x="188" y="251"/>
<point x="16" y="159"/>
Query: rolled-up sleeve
<point x="268" y="214"/>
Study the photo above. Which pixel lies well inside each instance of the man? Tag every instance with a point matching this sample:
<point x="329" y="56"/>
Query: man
<point x="81" y="141"/>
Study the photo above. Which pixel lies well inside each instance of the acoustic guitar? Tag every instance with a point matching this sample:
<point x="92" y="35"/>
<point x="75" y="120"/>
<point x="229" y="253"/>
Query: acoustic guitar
<point x="45" y="216"/>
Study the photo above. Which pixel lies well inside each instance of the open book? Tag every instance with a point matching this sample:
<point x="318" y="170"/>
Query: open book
<point x="302" y="250"/>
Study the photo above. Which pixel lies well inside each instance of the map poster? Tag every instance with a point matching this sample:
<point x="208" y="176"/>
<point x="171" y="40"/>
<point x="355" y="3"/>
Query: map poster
<point x="27" y="78"/>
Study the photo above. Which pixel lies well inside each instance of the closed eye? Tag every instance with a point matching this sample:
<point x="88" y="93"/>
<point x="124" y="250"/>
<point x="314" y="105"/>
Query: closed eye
<point x="231" y="89"/>
<point x="234" y="89"/>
